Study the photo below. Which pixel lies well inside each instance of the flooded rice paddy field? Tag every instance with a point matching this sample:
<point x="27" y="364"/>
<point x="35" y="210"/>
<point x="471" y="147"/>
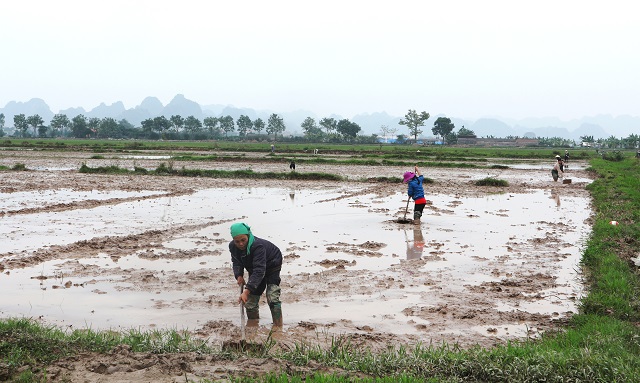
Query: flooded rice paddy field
<point x="118" y="252"/>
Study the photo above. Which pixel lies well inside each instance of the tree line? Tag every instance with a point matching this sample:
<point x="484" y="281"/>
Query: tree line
<point x="326" y="129"/>
<point x="175" y="127"/>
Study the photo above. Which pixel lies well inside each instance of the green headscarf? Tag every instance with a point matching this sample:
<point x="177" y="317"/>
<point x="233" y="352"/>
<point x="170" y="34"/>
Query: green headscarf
<point x="242" y="228"/>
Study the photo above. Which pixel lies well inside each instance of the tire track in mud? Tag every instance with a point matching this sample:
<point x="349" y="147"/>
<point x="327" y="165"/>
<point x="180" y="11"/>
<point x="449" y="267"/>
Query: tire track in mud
<point x="91" y="203"/>
<point x="113" y="246"/>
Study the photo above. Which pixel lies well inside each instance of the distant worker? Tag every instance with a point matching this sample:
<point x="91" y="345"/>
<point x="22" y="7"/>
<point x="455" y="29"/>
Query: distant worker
<point x="566" y="156"/>
<point x="292" y="165"/>
<point x="557" y="171"/>
<point x="415" y="190"/>
<point x="273" y="148"/>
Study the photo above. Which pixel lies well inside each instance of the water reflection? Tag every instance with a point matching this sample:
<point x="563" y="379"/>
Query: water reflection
<point x="555" y="196"/>
<point x="415" y="247"/>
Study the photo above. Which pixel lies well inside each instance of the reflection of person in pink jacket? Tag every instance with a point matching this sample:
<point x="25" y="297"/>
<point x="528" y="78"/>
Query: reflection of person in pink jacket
<point x="415" y="247"/>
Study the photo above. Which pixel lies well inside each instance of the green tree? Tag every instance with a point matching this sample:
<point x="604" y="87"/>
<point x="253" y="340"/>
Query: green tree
<point x="35" y="122"/>
<point x="192" y="125"/>
<point x="1" y="124"/>
<point x="161" y="125"/>
<point x="244" y="125"/>
<point x="348" y="129"/>
<point x="258" y="125"/>
<point x="329" y="124"/>
<point x="42" y="131"/>
<point x="310" y="128"/>
<point x="177" y="123"/>
<point x="451" y="138"/>
<point x="20" y="124"/>
<point x="147" y="127"/>
<point x="59" y="123"/>
<point x="443" y="127"/>
<point x="275" y="125"/>
<point x="631" y="142"/>
<point x="612" y="142"/>
<point x="127" y="129"/>
<point x="227" y="125"/>
<point x="93" y="124"/>
<point x="211" y="124"/>
<point x="465" y="132"/>
<point x="109" y="128"/>
<point x="414" y="121"/>
<point x="588" y="139"/>
<point x="79" y="127"/>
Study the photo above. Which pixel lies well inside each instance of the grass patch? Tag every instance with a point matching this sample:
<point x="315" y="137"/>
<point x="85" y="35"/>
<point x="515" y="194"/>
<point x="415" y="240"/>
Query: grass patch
<point x="410" y="153"/>
<point x="103" y="169"/>
<point x="489" y="181"/>
<point x="164" y="169"/>
<point x="24" y="342"/>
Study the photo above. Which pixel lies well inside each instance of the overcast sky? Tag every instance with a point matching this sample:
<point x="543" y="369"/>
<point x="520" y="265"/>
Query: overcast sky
<point x="467" y="59"/>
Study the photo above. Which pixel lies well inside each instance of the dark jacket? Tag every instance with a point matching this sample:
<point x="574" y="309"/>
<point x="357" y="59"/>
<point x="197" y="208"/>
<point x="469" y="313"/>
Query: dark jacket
<point x="264" y="258"/>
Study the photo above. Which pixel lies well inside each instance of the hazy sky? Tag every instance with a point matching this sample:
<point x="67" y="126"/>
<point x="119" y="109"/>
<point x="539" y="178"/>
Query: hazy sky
<point x="465" y="58"/>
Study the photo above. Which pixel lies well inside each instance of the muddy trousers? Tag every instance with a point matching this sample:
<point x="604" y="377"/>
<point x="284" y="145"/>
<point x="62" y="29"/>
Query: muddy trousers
<point x="272" y="284"/>
<point x="417" y="211"/>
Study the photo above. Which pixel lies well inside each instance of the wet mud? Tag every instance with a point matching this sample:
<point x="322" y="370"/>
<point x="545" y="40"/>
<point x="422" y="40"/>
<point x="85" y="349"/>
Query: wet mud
<point x="486" y="264"/>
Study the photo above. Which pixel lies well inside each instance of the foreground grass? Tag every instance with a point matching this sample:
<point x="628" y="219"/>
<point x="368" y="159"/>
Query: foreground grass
<point x="600" y="344"/>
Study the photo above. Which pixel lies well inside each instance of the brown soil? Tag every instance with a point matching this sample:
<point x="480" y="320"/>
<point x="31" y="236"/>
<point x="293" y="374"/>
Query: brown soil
<point x="471" y="309"/>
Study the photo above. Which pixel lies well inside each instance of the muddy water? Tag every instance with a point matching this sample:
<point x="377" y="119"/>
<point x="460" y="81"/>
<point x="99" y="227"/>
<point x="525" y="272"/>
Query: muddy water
<point x="349" y="266"/>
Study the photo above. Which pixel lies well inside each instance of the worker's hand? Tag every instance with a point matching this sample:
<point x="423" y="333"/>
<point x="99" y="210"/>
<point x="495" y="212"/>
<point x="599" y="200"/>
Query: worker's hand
<point x="241" y="280"/>
<point x="244" y="296"/>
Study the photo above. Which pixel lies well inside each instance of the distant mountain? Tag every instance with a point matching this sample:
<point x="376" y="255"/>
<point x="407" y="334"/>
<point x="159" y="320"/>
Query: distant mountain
<point x="587" y="129"/>
<point x="101" y="111"/>
<point x="485" y="127"/>
<point x="151" y="105"/>
<point x="600" y="126"/>
<point x="183" y="107"/>
<point x="29" y="108"/>
<point x="545" y="131"/>
<point x="71" y="112"/>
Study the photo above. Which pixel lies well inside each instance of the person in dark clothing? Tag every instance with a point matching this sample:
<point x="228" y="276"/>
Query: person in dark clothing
<point x="263" y="261"/>
<point x="292" y="165"/>
<point x="558" y="169"/>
